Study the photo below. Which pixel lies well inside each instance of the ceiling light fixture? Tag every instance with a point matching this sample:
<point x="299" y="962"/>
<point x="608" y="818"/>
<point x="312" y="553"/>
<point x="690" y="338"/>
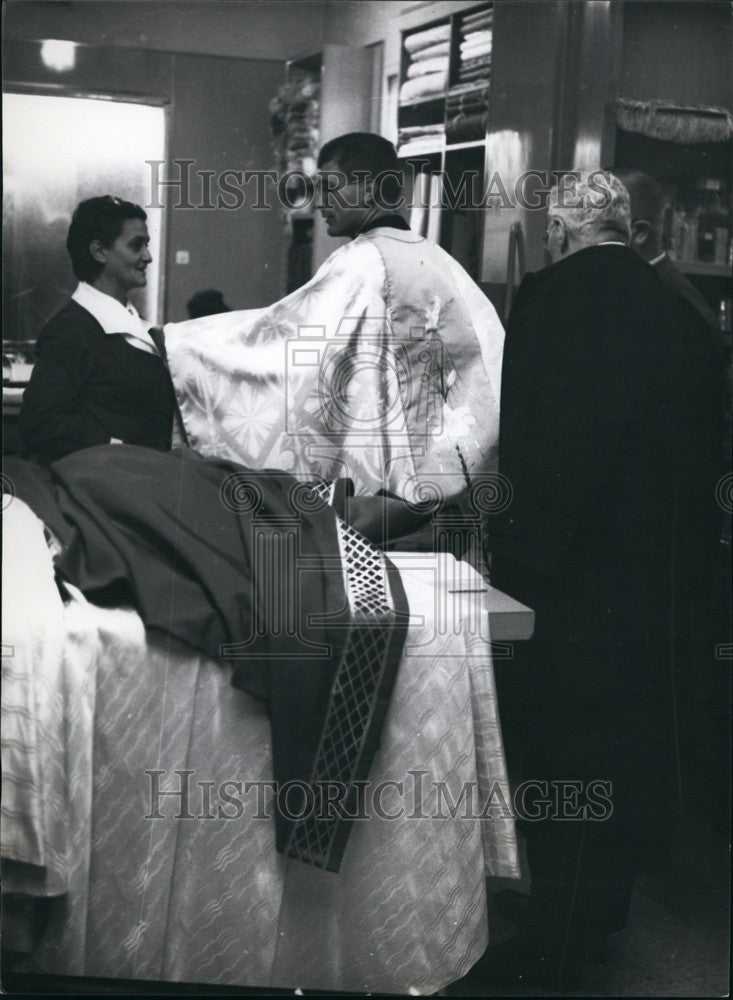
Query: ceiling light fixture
<point x="57" y="55"/>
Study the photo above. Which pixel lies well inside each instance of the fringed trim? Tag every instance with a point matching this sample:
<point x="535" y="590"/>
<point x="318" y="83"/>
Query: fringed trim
<point x="672" y="123"/>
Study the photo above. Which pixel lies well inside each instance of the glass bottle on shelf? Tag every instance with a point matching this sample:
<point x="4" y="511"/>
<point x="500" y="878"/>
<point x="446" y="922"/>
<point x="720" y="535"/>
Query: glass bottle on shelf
<point x="676" y="233"/>
<point x="724" y="321"/>
<point x="712" y="231"/>
<point x="689" y="248"/>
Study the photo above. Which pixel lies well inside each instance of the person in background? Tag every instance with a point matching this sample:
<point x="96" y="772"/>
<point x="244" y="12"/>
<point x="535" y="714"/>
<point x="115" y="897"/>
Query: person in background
<point x="699" y="554"/>
<point x="100" y="376"/>
<point x="594" y="410"/>
<point x="208" y="302"/>
<point x="646" y="199"/>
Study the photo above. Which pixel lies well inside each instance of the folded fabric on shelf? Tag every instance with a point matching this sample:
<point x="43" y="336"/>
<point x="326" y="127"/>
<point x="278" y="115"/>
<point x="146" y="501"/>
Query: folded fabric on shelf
<point x="473" y="50"/>
<point x="476" y="16"/>
<point x="478" y="61"/>
<point x="480" y="76"/>
<point x="486" y="21"/>
<point x="424" y="66"/>
<point x="423" y="86"/>
<point x="468" y="88"/>
<point x="476" y="109"/>
<point x="484" y="80"/>
<point x="475" y="76"/>
<point x="476" y="90"/>
<point x="467" y="102"/>
<point x="475" y="37"/>
<point x="465" y="128"/>
<point x="410" y="131"/>
<point x="473" y="55"/>
<point x="420" y="139"/>
<point x="440" y="49"/>
<point x="466" y="105"/>
<point x="421" y="40"/>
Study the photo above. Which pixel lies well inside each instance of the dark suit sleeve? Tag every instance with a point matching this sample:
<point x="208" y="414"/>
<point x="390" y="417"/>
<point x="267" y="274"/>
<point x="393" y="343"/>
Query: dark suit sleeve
<point x="53" y="422"/>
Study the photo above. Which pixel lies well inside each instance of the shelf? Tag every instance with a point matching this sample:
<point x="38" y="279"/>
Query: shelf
<point x="459" y="89"/>
<point x="453" y="86"/>
<point x="430" y="99"/>
<point x="443" y="95"/>
<point x="459" y="160"/>
<point x="420" y="153"/>
<point x="699" y="267"/>
<point x="473" y="144"/>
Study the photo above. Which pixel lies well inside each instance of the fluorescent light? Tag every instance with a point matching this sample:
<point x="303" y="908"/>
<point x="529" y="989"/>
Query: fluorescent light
<point x="58" y="55"/>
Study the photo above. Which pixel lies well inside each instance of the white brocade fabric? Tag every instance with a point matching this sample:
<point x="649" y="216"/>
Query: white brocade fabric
<point x="209" y="900"/>
<point x="45" y="693"/>
<point x="385" y="368"/>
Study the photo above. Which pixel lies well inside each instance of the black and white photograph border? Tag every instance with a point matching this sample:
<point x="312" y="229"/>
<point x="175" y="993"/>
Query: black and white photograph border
<point x="366" y="616"/>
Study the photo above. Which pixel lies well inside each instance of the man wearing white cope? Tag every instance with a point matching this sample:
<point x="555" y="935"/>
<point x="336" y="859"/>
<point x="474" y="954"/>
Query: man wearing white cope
<point x="385" y="368"/>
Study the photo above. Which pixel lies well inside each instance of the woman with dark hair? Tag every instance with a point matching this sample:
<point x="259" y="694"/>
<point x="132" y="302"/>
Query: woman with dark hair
<point x="99" y="376"/>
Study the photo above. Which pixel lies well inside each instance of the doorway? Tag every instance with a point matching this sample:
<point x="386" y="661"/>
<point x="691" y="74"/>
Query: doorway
<point x="57" y="152"/>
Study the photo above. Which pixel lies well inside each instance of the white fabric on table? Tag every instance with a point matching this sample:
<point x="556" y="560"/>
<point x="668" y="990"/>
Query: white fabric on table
<point x="48" y="692"/>
<point x="209" y="900"/>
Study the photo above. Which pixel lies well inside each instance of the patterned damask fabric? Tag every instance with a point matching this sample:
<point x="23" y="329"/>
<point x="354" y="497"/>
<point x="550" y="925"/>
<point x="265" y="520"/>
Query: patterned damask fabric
<point x="205" y="897"/>
<point x="385" y="368"/>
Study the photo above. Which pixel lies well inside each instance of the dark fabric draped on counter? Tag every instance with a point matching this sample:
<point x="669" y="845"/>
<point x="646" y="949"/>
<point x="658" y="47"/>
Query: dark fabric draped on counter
<point x="242" y="566"/>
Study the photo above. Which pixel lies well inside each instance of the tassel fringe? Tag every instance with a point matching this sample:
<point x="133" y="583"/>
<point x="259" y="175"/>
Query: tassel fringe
<point x="672" y="123"/>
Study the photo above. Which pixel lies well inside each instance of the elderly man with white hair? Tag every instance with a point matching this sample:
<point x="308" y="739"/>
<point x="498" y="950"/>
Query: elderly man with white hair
<point x="593" y="409"/>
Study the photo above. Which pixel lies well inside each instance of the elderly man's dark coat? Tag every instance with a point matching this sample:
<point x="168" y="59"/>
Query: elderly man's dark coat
<point x="595" y="442"/>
